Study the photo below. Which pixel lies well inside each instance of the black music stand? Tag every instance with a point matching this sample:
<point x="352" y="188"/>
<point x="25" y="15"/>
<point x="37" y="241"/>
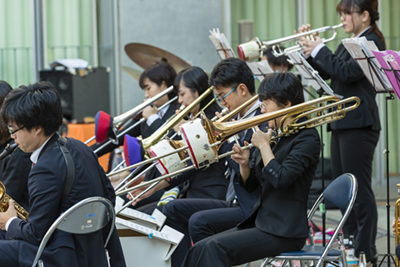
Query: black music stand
<point x="374" y="69"/>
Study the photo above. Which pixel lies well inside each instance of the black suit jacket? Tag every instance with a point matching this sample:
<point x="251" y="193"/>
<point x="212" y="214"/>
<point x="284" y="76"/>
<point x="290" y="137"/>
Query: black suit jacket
<point x="46" y="184"/>
<point x="246" y="199"/>
<point x="143" y="129"/>
<point x="14" y="172"/>
<point x="347" y="79"/>
<point x="282" y="207"/>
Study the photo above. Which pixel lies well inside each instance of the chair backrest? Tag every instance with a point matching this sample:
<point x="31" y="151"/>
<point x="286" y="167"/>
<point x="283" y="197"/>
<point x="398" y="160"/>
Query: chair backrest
<point x="341" y="192"/>
<point x="87" y="216"/>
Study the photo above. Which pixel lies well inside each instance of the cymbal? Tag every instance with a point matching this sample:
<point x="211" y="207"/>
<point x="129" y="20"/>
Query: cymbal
<point x="145" y="55"/>
<point x="132" y="72"/>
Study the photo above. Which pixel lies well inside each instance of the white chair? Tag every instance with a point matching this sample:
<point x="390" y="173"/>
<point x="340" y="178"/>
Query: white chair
<point x="87" y="216"/>
<point x="342" y="193"/>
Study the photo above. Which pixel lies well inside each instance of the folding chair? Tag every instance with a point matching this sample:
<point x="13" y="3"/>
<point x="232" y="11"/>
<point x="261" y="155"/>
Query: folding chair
<point x="87" y="216"/>
<point x="342" y="193"/>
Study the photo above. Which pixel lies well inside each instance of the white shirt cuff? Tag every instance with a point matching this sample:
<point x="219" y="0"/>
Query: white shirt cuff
<point x="316" y="50"/>
<point x="9" y="222"/>
<point x="151" y="119"/>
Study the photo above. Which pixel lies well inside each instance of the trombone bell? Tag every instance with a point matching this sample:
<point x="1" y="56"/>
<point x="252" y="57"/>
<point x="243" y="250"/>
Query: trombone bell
<point x="170" y="163"/>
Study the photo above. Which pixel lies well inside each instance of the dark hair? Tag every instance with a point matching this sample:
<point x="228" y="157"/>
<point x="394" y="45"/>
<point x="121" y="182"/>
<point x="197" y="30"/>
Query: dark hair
<point x="196" y="79"/>
<point x="5" y="88"/>
<point x="231" y="72"/>
<point x="281" y="87"/>
<point x="158" y="73"/>
<point x="347" y="6"/>
<point x="277" y="61"/>
<point x="35" y="105"/>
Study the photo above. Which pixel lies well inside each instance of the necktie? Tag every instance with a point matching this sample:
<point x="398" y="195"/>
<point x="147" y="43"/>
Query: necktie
<point x="230" y="193"/>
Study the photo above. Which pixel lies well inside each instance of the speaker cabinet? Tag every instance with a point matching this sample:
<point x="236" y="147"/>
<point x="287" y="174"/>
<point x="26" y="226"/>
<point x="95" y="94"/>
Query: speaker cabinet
<point x="82" y="94"/>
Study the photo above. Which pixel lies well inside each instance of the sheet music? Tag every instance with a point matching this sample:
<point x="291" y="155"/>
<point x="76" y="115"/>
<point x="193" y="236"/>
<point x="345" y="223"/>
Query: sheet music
<point x="260" y="69"/>
<point x="134" y="214"/>
<point x="389" y="61"/>
<point x="359" y="49"/>
<point x="145" y="230"/>
<point x="222" y="45"/>
<point x="309" y="73"/>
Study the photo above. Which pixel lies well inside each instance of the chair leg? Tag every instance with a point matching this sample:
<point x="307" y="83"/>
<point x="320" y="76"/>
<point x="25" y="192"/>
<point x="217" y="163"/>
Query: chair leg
<point x="108" y="258"/>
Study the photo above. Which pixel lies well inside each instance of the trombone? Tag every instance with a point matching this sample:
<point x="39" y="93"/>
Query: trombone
<point x="218" y="132"/>
<point x="160" y="134"/>
<point x="253" y="50"/>
<point x="118" y="121"/>
<point x="224" y="118"/>
<point x="204" y="137"/>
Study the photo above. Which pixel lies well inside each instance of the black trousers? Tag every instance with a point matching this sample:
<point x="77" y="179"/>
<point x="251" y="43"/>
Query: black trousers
<point x="198" y="219"/>
<point x="352" y="151"/>
<point x="238" y="246"/>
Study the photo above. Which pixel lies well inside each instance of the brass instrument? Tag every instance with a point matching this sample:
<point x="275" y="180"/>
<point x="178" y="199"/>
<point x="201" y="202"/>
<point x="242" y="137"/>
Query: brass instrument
<point x="163" y="130"/>
<point x="119" y="120"/>
<point x="4" y="199"/>
<point x="397" y="223"/>
<point x="253" y="50"/>
<point x="331" y="109"/>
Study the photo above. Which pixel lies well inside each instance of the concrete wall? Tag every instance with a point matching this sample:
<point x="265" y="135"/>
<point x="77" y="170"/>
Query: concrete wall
<point x="180" y="27"/>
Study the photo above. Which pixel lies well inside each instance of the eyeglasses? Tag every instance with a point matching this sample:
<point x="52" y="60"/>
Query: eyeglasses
<point x="343" y="14"/>
<point x="13" y="132"/>
<point x="263" y="105"/>
<point x="221" y="99"/>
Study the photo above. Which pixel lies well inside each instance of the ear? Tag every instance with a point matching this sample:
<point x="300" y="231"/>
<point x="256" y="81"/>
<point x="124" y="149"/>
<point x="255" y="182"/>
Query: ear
<point x="242" y="89"/>
<point x="163" y="85"/>
<point x="365" y="16"/>
<point x="289" y="104"/>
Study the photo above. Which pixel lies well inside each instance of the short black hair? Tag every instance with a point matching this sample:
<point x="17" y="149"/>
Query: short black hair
<point x="277" y="61"/>
<point x="281" y="87"/>
<point x="158" y="73"/>
<point x="231" y="72"/>
<point x="35" y="105"/>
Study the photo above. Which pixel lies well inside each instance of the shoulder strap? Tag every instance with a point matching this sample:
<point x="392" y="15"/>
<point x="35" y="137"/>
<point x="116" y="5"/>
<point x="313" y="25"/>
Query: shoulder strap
<point x="70" y="167"/>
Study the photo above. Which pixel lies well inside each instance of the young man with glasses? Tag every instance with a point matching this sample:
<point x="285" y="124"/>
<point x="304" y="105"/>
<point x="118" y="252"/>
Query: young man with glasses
<point x="199" y="218"/>
<point x="64" y="172"/>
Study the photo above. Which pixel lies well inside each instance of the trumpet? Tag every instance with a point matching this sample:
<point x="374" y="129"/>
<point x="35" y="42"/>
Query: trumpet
<point x="118" y="121"/>
<point x="253" y="50"/>
<point x="205" y="137"/>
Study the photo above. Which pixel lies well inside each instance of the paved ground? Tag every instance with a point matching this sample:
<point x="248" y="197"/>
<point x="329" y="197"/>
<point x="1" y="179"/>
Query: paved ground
<point x="381" y="199"/>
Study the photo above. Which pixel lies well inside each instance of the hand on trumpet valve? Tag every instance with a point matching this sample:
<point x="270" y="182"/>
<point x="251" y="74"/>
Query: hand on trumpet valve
<point x="148" y="111"/>
<point x="135" y="193"/>
<point x="241" y="156"/>
<point x="308" y="42"/>
<point x="5" y="216"/>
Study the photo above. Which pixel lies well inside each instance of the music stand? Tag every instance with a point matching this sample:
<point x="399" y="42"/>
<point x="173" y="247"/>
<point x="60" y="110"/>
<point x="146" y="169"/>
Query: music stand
<point x="315" y="80"/>
<point x="380" y="85"/>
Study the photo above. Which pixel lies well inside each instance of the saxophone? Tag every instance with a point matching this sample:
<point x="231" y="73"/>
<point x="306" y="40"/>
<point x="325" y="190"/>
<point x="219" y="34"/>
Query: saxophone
<point x="4" y="198"/>
<point x="397" y="223"/>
